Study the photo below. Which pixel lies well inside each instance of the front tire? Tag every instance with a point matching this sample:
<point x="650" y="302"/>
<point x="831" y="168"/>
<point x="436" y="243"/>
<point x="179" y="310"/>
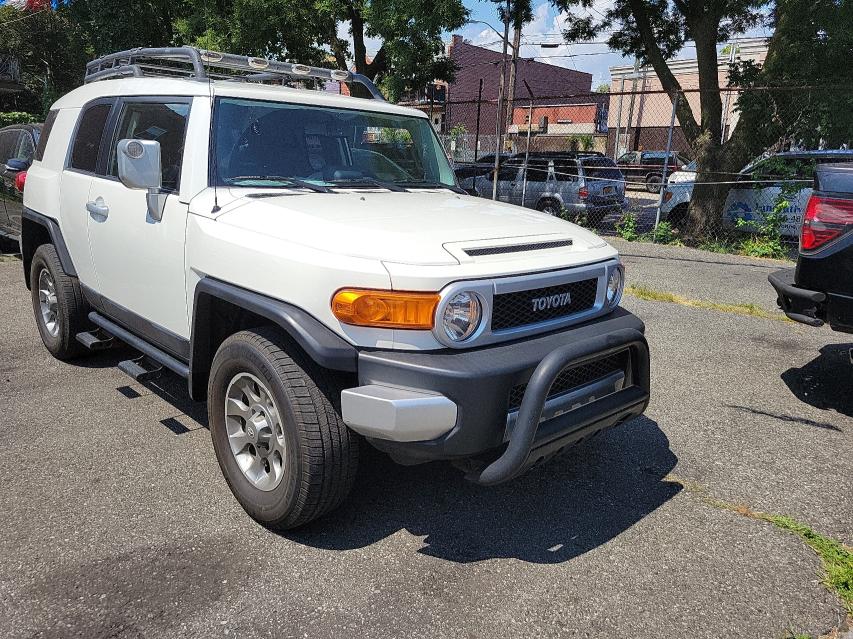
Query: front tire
<point x="277" y="431"/>
<point x="58" y="304"/>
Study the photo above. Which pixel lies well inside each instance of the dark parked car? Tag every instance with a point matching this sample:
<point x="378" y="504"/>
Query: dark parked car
<point x="17" y="147"/>
<point x="646" y="167"/>
<point x="820" y="289"/>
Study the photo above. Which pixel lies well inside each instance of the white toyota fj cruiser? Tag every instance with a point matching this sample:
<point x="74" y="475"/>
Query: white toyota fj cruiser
<point x="306" y="260"/>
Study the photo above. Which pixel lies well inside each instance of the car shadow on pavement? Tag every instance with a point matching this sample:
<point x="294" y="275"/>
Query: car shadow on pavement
<point x="555" y="512"/>
<point x="825" y="382"/>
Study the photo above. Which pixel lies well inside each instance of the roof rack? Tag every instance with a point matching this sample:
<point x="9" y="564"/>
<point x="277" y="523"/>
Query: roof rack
<point x="202" y="65"/>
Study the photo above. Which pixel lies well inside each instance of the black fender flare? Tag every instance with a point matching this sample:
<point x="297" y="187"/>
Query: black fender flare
<point x="30" y="241"/>
<point x="320" y="343"/>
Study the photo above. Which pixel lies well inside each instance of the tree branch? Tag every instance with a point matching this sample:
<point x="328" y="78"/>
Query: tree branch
<point x="669" y="82"/>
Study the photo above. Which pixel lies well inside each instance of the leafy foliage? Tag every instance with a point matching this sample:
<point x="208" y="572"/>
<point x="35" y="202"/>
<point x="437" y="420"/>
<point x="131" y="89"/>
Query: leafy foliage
<point x="16" y="117"/>
<point x="54" y="45"/>
<point x="626" y="228"/>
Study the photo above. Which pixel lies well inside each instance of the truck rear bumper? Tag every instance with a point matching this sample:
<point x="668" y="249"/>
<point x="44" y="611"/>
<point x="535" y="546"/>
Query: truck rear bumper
<point x="799" y="304"/>
<point x="515" y="404"/>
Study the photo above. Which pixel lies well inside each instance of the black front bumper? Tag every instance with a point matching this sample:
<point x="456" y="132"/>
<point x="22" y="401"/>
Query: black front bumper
<point x="480" y="383"/>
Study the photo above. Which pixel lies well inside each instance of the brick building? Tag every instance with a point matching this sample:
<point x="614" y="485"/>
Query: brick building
<point x="548" y="83"/>
<point x="640" y="113"/>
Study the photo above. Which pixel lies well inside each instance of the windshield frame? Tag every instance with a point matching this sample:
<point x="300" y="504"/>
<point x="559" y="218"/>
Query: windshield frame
<point x="216" y="181"/>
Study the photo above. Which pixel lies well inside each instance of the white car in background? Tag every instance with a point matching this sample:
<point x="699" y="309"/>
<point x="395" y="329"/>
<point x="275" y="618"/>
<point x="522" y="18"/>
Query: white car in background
<point x="762" y="186"/>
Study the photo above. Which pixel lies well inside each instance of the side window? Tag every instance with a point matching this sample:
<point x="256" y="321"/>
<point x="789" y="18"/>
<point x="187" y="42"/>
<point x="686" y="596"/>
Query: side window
<point x="537" y="171"/>
<point x="164" y="122"/>
<point x="87" y="142"/>
<point x="45" y="133"/>
<point x="25" y="147"/>
<point x="508" y="173"/>
<point x="627" y="158"/>
<point x="566" y="170"/>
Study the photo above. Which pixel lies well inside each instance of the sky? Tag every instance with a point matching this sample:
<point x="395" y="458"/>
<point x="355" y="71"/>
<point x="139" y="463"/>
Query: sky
<point x="546" y="27"/>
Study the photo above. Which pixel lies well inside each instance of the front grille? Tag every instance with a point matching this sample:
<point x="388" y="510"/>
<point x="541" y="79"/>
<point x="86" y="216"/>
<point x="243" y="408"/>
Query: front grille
<point x="510" y="310"/>
<point x="576" y="376"/>
<point x="516" y="248"/>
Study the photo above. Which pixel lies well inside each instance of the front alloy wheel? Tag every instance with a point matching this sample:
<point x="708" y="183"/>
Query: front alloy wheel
<point x="255" y="431"/>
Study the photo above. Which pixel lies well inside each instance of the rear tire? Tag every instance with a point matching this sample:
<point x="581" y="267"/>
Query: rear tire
<point x="282" y="445"/>
<point x="551" y="207"/>
<point x="58" y="304"/>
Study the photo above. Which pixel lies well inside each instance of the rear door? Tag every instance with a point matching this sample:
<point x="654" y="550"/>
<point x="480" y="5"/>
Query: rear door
<point x="82" y="162"/>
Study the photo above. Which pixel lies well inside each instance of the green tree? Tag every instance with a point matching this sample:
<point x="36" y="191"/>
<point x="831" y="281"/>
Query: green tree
<point x="801" y="94"/>
<point x="51" y="50"/>
<point x="654" y="31"/>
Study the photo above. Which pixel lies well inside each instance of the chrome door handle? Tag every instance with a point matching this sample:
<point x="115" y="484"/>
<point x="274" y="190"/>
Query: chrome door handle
<point x="98" y="207"/>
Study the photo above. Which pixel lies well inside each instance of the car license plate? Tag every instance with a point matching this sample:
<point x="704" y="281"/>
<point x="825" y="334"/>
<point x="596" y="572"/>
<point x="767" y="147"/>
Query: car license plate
<point x="609" y="190"/>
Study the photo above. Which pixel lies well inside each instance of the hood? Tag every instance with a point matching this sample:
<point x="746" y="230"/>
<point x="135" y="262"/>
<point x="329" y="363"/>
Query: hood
<point x="415" y="227"/>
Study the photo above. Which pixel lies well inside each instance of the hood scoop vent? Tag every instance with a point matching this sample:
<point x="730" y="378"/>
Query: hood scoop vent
<point x="516" y="248"/>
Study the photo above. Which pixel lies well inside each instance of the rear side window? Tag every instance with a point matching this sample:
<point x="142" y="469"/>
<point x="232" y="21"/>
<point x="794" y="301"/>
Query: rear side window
<point x="45" y="133"/>
<point x="537" y="171"/>
<point x="566" y="170"/>
<point x="601" y="168"/>
<point x="87" y="141"/>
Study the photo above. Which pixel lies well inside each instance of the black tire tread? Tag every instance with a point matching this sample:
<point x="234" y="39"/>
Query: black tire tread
<point x="72" y="305"/>
<point x="328" y="450"/>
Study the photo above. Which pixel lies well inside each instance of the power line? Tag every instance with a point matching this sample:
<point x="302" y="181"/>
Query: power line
<point x="30" y="15"/>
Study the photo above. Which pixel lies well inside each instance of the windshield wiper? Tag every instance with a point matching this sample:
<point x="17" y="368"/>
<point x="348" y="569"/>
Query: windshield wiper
<point x="365" y="181"/>
<point x="285" y="180"/>
<point x="433" y="185"/>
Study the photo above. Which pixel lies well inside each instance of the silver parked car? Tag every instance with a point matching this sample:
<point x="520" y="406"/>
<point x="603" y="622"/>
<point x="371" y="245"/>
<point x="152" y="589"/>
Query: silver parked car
<point x="579" y="184"/>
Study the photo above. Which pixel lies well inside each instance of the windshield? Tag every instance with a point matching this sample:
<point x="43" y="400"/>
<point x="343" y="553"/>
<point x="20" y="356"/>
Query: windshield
<point x="274" y="144"/>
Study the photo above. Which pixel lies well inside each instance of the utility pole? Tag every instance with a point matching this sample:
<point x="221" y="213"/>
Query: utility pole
<point x="513" y="73"/>
<point x="631" y="102"/>
<point x="477" y="132"/>
<point x="499" y="119"/>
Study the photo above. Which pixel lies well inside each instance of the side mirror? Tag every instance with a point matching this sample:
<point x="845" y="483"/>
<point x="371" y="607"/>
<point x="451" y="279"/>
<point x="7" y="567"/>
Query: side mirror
<point x="140" y="167"/>
<point x="17" y="165"/>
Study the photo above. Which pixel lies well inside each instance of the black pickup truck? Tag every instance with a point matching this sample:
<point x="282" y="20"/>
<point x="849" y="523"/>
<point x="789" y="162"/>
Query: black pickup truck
<point x="820" y="289"/>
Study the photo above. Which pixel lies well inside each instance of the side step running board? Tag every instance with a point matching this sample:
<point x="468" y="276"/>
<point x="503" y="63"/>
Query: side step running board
<point x="159" y="356"/>
<point x="140" y="368"/>
<point x="96" y="340"/>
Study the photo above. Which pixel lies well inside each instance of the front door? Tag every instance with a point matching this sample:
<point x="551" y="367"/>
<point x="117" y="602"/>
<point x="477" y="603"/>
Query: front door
<point x="139" y="261"/>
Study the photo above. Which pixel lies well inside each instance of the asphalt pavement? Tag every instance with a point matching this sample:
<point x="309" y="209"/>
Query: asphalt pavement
<point x="116" y="521"/>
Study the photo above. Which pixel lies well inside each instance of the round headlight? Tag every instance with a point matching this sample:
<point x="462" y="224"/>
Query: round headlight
<point x="614" y="286"/>
<point x="461" y="316"/>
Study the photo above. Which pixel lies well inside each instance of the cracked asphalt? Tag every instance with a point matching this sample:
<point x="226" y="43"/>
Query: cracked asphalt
<point x="116" y="521"/>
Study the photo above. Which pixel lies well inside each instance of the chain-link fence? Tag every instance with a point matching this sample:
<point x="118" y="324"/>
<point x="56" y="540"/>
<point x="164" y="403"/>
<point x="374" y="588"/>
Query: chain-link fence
<point x="622" y="163"/>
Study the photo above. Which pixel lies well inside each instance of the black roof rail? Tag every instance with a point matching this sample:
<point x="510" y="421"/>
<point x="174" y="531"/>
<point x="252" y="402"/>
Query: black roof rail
<point x="202" y="65"/>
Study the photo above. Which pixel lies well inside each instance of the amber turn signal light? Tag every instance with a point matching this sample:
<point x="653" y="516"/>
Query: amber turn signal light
<point x="385" y="309"/>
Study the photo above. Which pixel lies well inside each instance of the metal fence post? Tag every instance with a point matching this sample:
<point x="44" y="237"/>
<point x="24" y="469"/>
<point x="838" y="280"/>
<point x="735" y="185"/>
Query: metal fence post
<point x="477" y="132"/>
<point x="666" y="159"/>
<point x="527" y="151"/>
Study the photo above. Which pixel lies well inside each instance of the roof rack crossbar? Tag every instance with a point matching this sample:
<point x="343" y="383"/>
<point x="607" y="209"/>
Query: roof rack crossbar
<point x="207" y="65"/>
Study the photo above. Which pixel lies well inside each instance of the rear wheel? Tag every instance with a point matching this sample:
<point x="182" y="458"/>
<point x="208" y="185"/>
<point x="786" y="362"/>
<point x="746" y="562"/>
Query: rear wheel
<point x="58" y="304"/>
<point x="551" y="207"/>
<point x="653" y="183"/>
<point x="277" y="431"/>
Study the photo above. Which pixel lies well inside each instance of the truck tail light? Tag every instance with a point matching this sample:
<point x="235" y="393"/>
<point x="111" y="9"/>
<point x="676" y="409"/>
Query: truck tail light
<point x="667" y="196"/>
<point x="20" y="179"/>
<point x="825" y="219"/>
<point x="583" y="193"/>
<point x="385" y="309"/>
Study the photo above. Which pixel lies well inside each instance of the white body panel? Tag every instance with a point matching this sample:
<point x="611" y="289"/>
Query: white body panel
<point x="139" y="262"/>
